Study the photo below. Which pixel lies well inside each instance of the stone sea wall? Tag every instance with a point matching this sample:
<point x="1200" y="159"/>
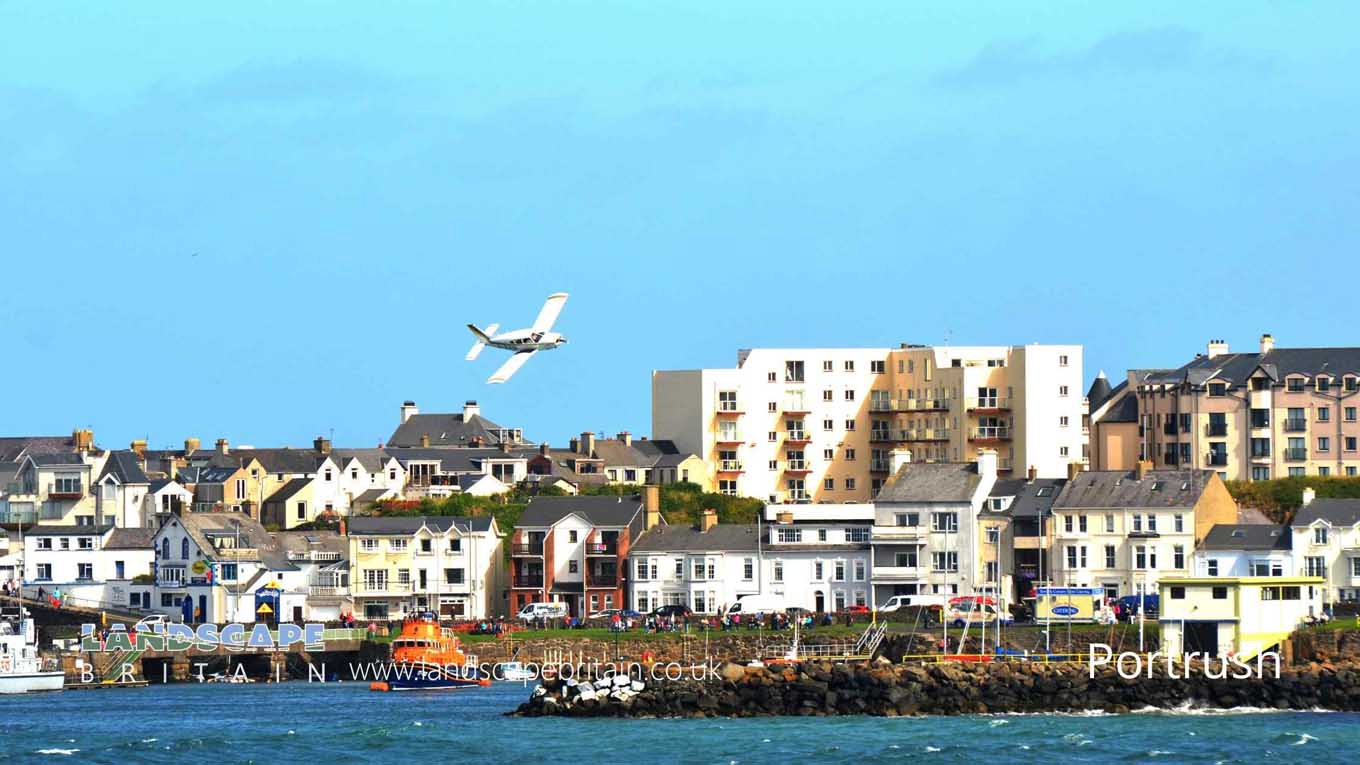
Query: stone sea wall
<point x="884" y="689"/>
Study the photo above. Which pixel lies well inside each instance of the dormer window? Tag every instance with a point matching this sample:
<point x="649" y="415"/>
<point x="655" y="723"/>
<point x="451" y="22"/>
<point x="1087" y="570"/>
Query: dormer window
<point x="1295" y="384"/>
<point x="1260" y="383"/>
<point x="1320" y="535"/>
<point x="1218" y="389"/>
<point x="1324" y="384"/>
<point x="1351" y="383"/>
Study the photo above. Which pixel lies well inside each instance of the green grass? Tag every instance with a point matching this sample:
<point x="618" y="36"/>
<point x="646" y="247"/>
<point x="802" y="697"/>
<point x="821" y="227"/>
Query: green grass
<point x="839" y="631"/>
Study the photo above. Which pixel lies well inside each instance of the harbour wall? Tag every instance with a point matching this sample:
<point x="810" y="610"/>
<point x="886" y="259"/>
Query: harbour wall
<point x="884" y="689"/>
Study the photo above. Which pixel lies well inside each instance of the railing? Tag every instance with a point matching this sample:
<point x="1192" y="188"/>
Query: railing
<point x="324" y="590"/>
<point x="1296" y="454"/>
<point x="796" y="495"/>
<point x="880" y="435"/>
<point x="729" y="437"/>
<point x="533" y="548"/>
<point x="602" y="548"/>
<point x="795" y="405"/>
<point x="316" y="556"/>
<point x="399" y="588"/>
<point x="798" y="465"/>
<point x="528" y="580"/>
<point x="891" y="533"/>
<point x="1216" y="429"/>
<point x="798" y="435"/>
<point x="880" y="405"/>
<point x="65" y="490"/>
<point x="879" y="466"/>
<point x="1170" y="429"/>
<point x="897" y="573"/>
<point x="921" y="404"/>
<point x="1295" y="426"/>
<point x="989" y="402"/>
<point x="728" y="407"/>
<point x="1217" y="460"/>
<point x="926" y="434"/>
<point x="990" y="433"/>
<point x="238" y="553"/>
<point x="28" y="517"/>
<point x="603" y="580"/>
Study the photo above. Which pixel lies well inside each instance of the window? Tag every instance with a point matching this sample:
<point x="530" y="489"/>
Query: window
<point x="1062" y="390"/>
<point x="828" y="425"/>
<point x="403" y="576"/>
<point x="1217" y="390"/>
<point x="642" y="565"/>
<point x="396" y="545"/>
<point x="908" y="519"/>
<point x="1324" y="444"/>
<point x="1350" y="443"/>
<point x="368" y="545"/>
<point x="426" y="545"/>
<point x="1211" y="567"/>
<point x="944" y="562"/>
<point x="1349" y="414"/>
<point x="1294" y="384"/>
<point x="183" y="548"/>
<point x="1178" y="556"/>
<point x="909" y="560"/>
<point x="1324" y="414"/>
<point x="1324" y="384"/>
<point x="849" y="424"/>
<point x="302" y="511"/>
<point x="849" y="395"/>
<point x="1260" y="418"/>
<point x="328" y="474"/>
<point x="1109" y="556"/>
<point x="849" y="484"/>
<point x="572" y="536"/>
<point x="1178" y="523"/>
<point x="1062" y="360"/>
<point x="828" y="365"/>
<point x="828" y="395"/>
<point x="838" y="570"/>
<point x="849" y="455"/>
<point x="1220" y="593"/>
<point x="1320" y="535"/>
<point x="727" y="401"/>
<point x="778" y="570"/>
<point x="849" y="366"/>
<point x="829" y="484"/>
<point x="1315" y="565"/>
<point x="573" y="567"/>
<point x="876" y="367"/>
<point x="1062" y="421"/>
<point x="857" y="534"/>
<point x="44" y="572"/>
<point x="1062" y="451"/>
<point x="789" y="535"/>
<point x="1178" y="593"/>
<point x="1109" y="523"/>
<point x="821" y="535"/>
<point x="993" y="534"/>
<point x="679" y="568"/>
<point x="45" y="543"/>
<point x="859" y="571"/>
<point x="947" y="522"/>
<point x="748" y="569"/>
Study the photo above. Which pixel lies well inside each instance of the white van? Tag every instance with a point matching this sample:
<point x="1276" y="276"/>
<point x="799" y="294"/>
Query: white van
<point x="898" y="602"/>
<point x="755" y="605"/>
<point x="533" y="611"/>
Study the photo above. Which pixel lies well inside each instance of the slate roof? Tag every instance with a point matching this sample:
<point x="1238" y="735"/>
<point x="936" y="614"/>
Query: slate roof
<point x="125" y="466"/>
<point x="1338" y="512"/>
<point x="724" y="537"/>
<point x="201" y="526"/>
<point x="57" y="458"/>
<point x="444" y="430"/>
<point x="130" y="539"/>
<point x="1247" y="536"/>
<point x="1278" y="363"/>
<point x="1032" y="500"/>
<point x="932" y="482"/>
<point x="13" y="448"/>
<point x="1118" y="488"/>
<point x="206" y="474"/>
<point x="66" y="531"/>
<point x="1099" y="392"/>
<point x="296" y="543"/>
<point x="288" y="490"/>
<point x="453" y="461"/>
<point x="369" y="496"/>
<point x="410" y="524"/>
<point x="599" y="510"/>
<point x="373" y="460"/>
<point x="284" y="460"/>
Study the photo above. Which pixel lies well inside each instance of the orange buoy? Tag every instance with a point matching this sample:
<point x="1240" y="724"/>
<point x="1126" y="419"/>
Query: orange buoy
<point x="377" y="686"/>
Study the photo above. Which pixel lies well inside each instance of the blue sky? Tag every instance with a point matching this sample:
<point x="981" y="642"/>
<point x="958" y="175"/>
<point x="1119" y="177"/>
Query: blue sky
<point x="700" y="177"/>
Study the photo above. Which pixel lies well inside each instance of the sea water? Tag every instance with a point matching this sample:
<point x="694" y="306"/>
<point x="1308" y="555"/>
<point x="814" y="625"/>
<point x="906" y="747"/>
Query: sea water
<point x="317" y="724"/>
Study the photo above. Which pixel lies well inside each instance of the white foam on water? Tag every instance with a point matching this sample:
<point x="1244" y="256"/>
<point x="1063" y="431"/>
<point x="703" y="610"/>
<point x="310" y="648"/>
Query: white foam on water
<point x="764" y="741"/>
<point x="291" y="733"/>
<point x="1157" y="752"/>
<point x="1303" y="739"/>
<point x="995" y="723"/>
<point x="417" y="723"/>
<point x="933" y="749"/>
<point x="150" y="740"/>
<point x="58" y="751"/>
<point x="1025" y="747"/>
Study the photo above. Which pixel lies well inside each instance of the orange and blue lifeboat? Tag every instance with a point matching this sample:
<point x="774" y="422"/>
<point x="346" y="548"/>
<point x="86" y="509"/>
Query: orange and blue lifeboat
<point x="428" y="657"/>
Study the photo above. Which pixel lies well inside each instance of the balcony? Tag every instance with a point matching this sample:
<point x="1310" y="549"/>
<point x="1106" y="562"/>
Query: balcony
<point x="729" y="438"/>
<point x="603" y="580"/>
<point x="799" y="495"/>
<point x="1216" y="459"/>
<point x="1295" y="426"/>
<point x="795" y="406"/>
<point x="798" y="466"/>
<point x="602" y="548"/>
<point x="65" y="490"/>
<point x="527" y="580"/>
<point x="729" y="409"/>
<point x="1170" y="429"/>
<point x="1296" y="454"/>
<point x="880" y="466"/>
<point x="880" y="405"/>
<point x="880" y="435"/>
<point x="1216" y="429"/>
<point x="989" y="404"/>
<point x="797" y="437"/>
<point x="921" y="405"/>
<point x="889" y="534"/>
<point x="1144" y="534"/>
<point x="531" y="548"/>
<point x="1005" y="465"/>
<point x="897" y="573"/>
<point x="729" y="466"/>
<point x="323" y="591"/>
<point x="990" y="433"/>
<point x="383" y="588"/>
<point x="925" y="434"/>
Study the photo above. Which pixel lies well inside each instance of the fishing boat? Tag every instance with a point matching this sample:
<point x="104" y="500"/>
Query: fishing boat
<point x="428" y="657"/>
<point x="21" y="669"/>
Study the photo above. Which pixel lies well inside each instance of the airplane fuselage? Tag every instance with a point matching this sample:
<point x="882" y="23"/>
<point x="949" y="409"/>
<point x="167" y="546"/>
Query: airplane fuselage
<point x="526" y="340"/>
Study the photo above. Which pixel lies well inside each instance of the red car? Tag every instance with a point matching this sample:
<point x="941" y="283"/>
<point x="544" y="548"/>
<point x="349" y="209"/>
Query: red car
<point x="858" y="610"/>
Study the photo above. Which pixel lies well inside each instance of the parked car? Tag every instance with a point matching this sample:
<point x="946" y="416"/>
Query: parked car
<point x="748" y="605"/>
<point x="533" y="611"/>
<point x="152" y="623"/>
<point x="607" y="613"/>
<point x="898" y="602"/>
<point x="1128" y="606"/>
<point x="857" y="610"/>
<point x="672" y="611"/>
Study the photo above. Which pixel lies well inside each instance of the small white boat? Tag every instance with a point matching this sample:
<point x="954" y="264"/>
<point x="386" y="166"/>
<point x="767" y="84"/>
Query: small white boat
<point x="21" y="669"/>
<point x="514" y="671"/>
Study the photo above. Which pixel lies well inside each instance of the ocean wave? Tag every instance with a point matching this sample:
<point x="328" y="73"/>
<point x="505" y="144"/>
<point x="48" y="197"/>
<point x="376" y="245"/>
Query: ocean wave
<point x="57" y="751"/>
<point x="1191" y="709"/>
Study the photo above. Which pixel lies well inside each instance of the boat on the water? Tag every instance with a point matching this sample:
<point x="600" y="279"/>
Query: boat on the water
<point x="21" y="669"/>
<point x="515" y="671"/>
<point x="428" y="657"/>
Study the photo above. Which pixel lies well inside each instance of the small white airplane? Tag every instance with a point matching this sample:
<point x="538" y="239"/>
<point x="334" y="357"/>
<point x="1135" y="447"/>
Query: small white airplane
<point x="524" y="342"/>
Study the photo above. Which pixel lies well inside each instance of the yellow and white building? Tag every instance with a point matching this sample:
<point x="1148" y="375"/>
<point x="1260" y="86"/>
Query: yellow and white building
<point x="1241" y="615"/>
<point x="817" y="424"/>
<point x="404" y="565"/>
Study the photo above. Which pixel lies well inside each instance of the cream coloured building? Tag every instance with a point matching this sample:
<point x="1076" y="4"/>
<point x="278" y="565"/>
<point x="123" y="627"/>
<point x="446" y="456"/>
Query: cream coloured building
<point x="790" y="425"/>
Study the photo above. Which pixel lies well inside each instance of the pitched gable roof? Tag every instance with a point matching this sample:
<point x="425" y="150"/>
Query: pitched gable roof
<point x="124" y="465"/>
<point x="1337" y="512"/>
<point x="1247" y="536"/>
<point x="1118" y="488"/>
<point x="389" y="525"/>
<point x="932" y="482"/>
<point x="445" y="430"/>
<point x="599" y="510"/>
<point x="724" y="537"/>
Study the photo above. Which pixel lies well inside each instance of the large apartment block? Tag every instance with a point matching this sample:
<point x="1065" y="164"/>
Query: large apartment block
<point x="797" y="425"/>
<point x="1271" y="413"/>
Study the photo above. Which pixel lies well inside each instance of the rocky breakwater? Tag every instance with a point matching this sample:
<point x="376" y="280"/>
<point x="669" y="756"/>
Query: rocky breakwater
<point x="884" y="689"/>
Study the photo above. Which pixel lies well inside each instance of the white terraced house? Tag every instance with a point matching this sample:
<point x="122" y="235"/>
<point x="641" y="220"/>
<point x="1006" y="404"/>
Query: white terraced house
<point x="817" y="556"/>
<point x="1326" y="543"/>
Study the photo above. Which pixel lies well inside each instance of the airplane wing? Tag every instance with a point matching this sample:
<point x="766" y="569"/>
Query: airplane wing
<point x="482" y="336"/>
<point x="548" y="314"/>
<point x="510" y="367"/>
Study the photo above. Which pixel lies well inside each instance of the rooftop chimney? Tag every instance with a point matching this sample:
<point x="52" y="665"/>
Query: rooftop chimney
<point x="575" y="445"/>
<point x="191" y="444"/>
<point x="1142" y="468"/>
<point x="651" y="507"/>
<point x="897" y="458"/>
<point x="1073" y="470"/>
<point x="1267" y="343"/>
<point x="784" y="516"/>
<point x="470" y="410"/>
<point x="139" y="446"/>
<point x="1217" y="348"/>
<point x="322" y="445"/>
<point x="83" y="439"/>
<point x="425" y="439"/>
<point x="626" y="438"/>
<point x="587" y="443"/>
<point x="543" y="448"/>
<point x="408" y="410"/>
<point x="986" y="463"/>
<point x="708" y="519"/>
<point x="1308" y="496"/>
<point x="1033" y="473"/>
<point x="223" y="447"/>
<point x="344" y="529"/>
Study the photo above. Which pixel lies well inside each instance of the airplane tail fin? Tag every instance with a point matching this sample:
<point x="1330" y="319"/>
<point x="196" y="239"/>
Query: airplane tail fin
<point x="483" y="337"/>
